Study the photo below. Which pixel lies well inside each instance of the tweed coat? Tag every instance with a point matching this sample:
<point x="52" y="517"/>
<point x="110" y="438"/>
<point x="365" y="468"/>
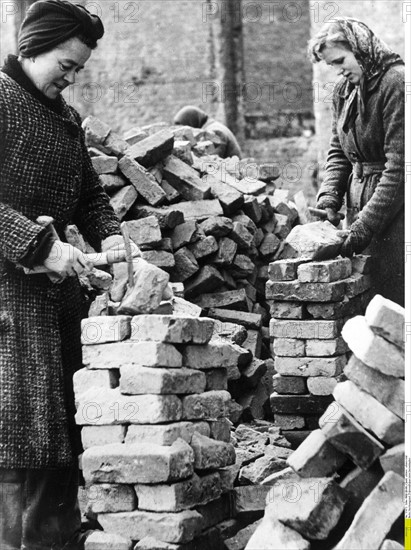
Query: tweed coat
<point x="366" y="163"/>
<point x="45" y="169"/>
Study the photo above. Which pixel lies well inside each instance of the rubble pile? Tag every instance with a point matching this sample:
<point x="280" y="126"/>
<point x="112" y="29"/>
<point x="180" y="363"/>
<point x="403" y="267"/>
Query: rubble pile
<point x="152" y="403"/>
<point x="344" y="485"/>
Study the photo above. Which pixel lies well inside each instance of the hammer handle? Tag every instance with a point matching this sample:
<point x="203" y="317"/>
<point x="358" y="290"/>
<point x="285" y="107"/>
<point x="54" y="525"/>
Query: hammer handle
<point x="98" y="258"/>
<point x="322" y="213"/>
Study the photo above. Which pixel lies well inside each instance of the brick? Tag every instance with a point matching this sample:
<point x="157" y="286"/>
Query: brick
<point x="179" y="496"/>
<point x="184" y="234"/>
<point x="164" y="434"/>
<point x="185" y="264"/>
<point x="160" y="258"/>
<point x="152" y="149"/>
<point x="252" y="208"/>
<point x="216" y="379"/>
<point x="386" y="318"/>
<point x="289" y="384"/>
<point x="102" y="329"/>
<point x="218" y="353"/>
<point x="264" y="466"/>
<point x="370" y="527"/>
<point x="207" y="539"/>
<point x="250" y="498"/>
<point x="102" y="435"/>
<point x="394" y="460"/>
<point x="108" y="497"/>
<point x="357" y="284"/>
<point x="112" y="182"/>
<point x="305" y="329"/>
<point x="144" y="354"/>
<point x="98" y="540"/>
<point x="370" y="413"/>
<point x="230" y="199"/>
<point x="99" y="306"/>
<point x="348" y="436"/>
<point x="371" y="349"/>
<point x="84" y="379"/>
<point x="359" y="483"/>
<point x="115" y="145"/>
<point x="289" y="421"/>
<point x="96" y="131"/>
<point x="230" y="299"/>
<point x="248" y="320"/>
<point x="216" y="511"/>
<point x="321" y="348"/>
<point x="272" y="535"/>
<point x="167" y="218"/>
<point x="239" y="538"/>
<point x="142" y="380"/>
<point x="321" y="385"/>
<point x="144" y="183"/>
<point x="134" y="135"/>
<point x="171" y="329"/>
<point x="252" y="375"/>
<point x="182" y="150"/>
<point x="228" y="476"/>
<point x="324" y="272"/>
<point x="204" y="247"/>
<point x="253" y="342"/>
<point x="282" y="225"/>
<point x="310" y="366"/>
<point x="211" y="453"/>
<point x="299" y="404"/>
<point x="138" y="463"/>
<point x="242" y="266"/>
<point x="305" y="292"/>
<point x="169" y="527"/>
<point x="289" y="347"/>
<point x="227" y="250"/>
<point x="145" y="296"/>
<point x="388" y="390"/>
<point x="206" y="280"/>
<point x="145" y="232"/>
<point x="241" y="235"/>
<point x="284" y="270"/>
<point x="286" y="310"/>
<point x="220" y="429"/>
<point x="172" y="195"/>
<point x="217" y="226"/>
<point x="100" y="406"/>
<point x="269" y="245"/>
<point x="247" y="186"/>
<point x="99" y="279"/>
<point x="287" y="474"/>
<point x="209" y="405"/>
<point x="336" y="310"/>
<point x="391" y="545"/>
<point x="316" y="241"/>
<point x="123" y="200"/>
<point x="315" y="457"/>
<point x="185" y="180"/>
<point x="295" y="506"/>
<point x="183" y="308"/>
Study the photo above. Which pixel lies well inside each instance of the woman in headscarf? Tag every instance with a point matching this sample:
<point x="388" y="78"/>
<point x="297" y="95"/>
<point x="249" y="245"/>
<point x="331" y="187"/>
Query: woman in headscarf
<point x="197" y="118"/>
<point x="45" y="169"/>
<point x="366" y="157"/>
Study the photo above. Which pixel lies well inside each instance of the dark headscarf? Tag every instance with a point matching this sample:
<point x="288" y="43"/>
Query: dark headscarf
<point x="48" y="23"/>
<point x="374" y="58"/>
<point x="191" y="116"/>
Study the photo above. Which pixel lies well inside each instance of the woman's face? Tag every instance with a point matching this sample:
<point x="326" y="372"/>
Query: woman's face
<point x="344" y="62"/>
<point x="53" y="71"/>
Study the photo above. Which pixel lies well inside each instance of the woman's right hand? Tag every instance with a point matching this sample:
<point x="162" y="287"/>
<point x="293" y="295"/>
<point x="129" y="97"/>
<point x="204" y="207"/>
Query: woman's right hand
<point x="66" y="260"/>
<point x="333" y="216"/>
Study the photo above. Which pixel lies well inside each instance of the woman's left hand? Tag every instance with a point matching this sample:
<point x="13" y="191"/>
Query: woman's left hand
<point x="359" y="237"/>
<point x="116" y="242"/>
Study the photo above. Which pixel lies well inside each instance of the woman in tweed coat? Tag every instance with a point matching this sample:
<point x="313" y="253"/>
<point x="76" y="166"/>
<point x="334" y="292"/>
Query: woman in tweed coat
<point x="366" y="156"/>
<point x="45" y="169"/>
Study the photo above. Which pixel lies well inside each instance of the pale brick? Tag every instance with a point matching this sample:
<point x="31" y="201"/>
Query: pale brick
<point x="287" y="474"/>
<point x="164" y="434"/>
<point x="321" y="385"/>
<point x="325" y="348"/>
<point x="218" y="353"/>
<point x="179" y="496"/>
<point x="361" y="263"/>
<point x="284" y="270"/>
<point x="316" y="241"/>
<point x="230" y="299"/>
<point x="285" y="310"/>
<point x="85" y="379"/>
<point x="104" y="164"/>
<point x="315" y="457"/>
<point x="171" y="329"/>
<point x="264" y="466"/>
<point x="310" y="366"/>
<point x="99" y="406"/>
<point x="324" y="272"/>
<point x="337" y="310"/>
<point x="102" y="329"/>
<point x="289" y="421"/>
<point x="145" y="232"/>
<point x="248" y="320"/>
<point x="209" y="405"/>
<point x="294" y="506"/>
<point x="391" y="545"/>
<point x="216" y="379"/>
<point x="176" y="527"/>
<point x="206" y="280"/>
<point x="145" y="354"/>
<point x="348" y="436"/>
<point x="142" y="380"/>
<point x="250" y="498"/>
<point x="394" y="460"/>
<point x="102" y="435"/>
<point x="210" y="453"/>
<point x="273" y="535"/>
<point x="204" y="247"/>
<point x="371" y="349"/>
<point x="98" y="540"/>
<point x="228" y="475"/>
<point x="357" y="284"/>
<point x="289" y="384"/>
<point x="289" y="347"/>
<point x="386" y="318"/>
<point x="108" y="497"/>
<point x="305" y="292"/>
<point x="123" y="200"/>
<point x="138" y="463"/>
<point x="388" y="390"/>
<point x="305" y="329"/>
<point x="220" y="429"/>
<point x="370" y="413"/>
<point x="153" y="148"/>
<point x="370" y="526"/>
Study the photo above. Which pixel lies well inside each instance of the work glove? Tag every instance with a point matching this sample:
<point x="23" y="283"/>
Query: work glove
<point x="359" y="237"/>
<point x="329" y="204"/>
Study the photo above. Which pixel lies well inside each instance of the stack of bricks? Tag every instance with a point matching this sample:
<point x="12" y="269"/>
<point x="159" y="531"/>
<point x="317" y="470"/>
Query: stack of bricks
<point x="346" y="481"/>
<point x="152" y="400"/>
<point x="309" y="303"/>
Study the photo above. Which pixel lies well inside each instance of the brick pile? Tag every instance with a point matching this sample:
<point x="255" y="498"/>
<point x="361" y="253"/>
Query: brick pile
<point x="344" y="485"/>
<point x="309" y="303"/>
<point x="152" y="403"/>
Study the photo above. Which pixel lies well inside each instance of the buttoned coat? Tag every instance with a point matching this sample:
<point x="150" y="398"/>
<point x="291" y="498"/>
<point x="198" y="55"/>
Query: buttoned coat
<point x="376" y="194"/>
<point x="45" y="169"/>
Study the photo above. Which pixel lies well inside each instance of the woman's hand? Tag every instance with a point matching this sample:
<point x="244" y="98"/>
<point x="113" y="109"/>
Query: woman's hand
<point x="116" y="243"/>
<point x="359" y="237"/>
<point x="66" y="260"/>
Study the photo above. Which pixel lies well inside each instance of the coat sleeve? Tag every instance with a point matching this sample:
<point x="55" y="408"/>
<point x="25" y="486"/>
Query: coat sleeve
<point x="388" y="197"/>
<point x="338" y="167"/>
<point x="94" y="215"/>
